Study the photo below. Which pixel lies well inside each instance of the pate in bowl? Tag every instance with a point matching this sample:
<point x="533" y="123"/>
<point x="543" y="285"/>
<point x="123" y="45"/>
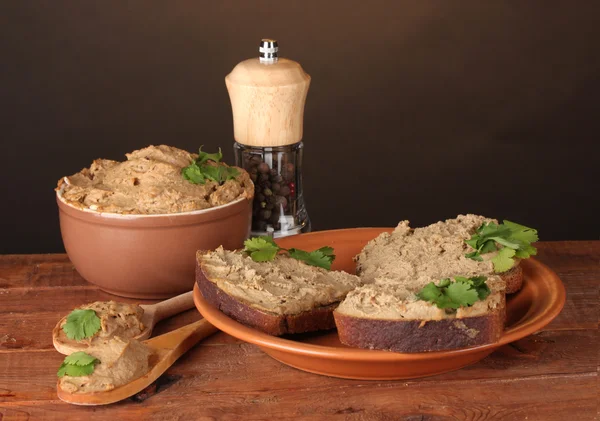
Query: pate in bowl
<point x="133" y="227"/>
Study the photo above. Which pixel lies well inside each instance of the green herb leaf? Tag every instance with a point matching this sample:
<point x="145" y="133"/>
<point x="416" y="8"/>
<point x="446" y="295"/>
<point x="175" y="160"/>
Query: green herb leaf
<point x="526" y="252"/>
<point x="264" y="255"/>
<point x="521" y="232"/>
<point x="201" y="169"/>
<point x="193" y="173"/>
<point x="483" y="291"/>
<point x="431" y="292"/>
<point x="511" y="236"/>
<point x="261" y="249"/>
<point x="444" y="282"/>
<point x="212" y="172"/>
<point x="258" y="243"/>
<point x="264" y="248"/>
<point x="463" y="292"/>
<point x="218" y="173"/>
<point x="229" y="173"/>
<point x="504" y="261"/>
<point x="472" y="242"/>
<point x="79" y="358"/>
<point x="488" y="246"/>
<point x="81" y="324"/>
<point x="203" y="156"/>
<point x="327" y="251"/>
<point x="475" y="256"/>
<point x="77" y="364"/>
<point x="477" y="280"/>
<point x="506" y="242"/>
<point x="314" y="258"/>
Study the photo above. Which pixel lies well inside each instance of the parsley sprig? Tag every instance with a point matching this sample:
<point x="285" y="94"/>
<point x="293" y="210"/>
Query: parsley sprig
<point x="81" y="324"/>
<point x="201" y="169"/>
<point x="463" y="292"/>
<point x="263" y="249"/>
<point x="77" y="364"/>
<point x="515" y="240"/>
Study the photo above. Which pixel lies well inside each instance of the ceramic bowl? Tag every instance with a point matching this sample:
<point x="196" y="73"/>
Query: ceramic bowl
<point x="148" y="256"/>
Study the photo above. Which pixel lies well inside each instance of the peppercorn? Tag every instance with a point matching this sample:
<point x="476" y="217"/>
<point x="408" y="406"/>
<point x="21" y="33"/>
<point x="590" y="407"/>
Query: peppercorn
<point x="281" y="201"/>
<point x="284" y="190"/>
<point x="265" y="214"/>
<point x="255" y="160"/>
<point x="274" y="188"/>
<point x="263" y="168"/>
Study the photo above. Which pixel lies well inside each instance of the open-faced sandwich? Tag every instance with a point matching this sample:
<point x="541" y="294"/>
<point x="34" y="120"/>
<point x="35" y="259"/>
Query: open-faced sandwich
<point x="278" y="296"/>
<point x="435" y="288"/>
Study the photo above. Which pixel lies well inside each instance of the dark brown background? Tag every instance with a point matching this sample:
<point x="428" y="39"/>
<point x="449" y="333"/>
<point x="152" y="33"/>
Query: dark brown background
<point x="417" y="110"/>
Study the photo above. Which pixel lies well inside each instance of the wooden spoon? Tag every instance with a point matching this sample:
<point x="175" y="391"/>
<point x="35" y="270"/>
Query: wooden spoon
<point x="153" y="314"/>
<point x="166" y="349"/>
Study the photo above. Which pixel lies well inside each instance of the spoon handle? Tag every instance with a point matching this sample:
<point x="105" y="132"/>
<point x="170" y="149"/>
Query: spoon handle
<point x="180" y="340"/>
<point x="172" y="306"/>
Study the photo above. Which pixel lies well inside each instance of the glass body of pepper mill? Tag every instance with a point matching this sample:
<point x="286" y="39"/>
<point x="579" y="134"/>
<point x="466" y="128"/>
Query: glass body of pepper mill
<point x="267" y="99"/>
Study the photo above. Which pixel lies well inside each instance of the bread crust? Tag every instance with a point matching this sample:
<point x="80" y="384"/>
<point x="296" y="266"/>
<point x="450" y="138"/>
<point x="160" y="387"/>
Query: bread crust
<point x="420" y="336"/>
<point x="320" y="318"/>
<point x="513" y="279"/>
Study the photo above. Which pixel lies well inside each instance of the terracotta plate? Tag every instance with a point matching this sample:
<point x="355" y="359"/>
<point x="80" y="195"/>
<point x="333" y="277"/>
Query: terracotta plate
<point x="540" y="301"/>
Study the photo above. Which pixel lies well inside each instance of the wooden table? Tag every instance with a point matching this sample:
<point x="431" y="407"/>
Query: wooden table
<point x="552" y="375"/>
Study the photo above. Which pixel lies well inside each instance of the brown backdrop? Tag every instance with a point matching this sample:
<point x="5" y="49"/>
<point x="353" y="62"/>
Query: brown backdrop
<point x="417" y="110"/>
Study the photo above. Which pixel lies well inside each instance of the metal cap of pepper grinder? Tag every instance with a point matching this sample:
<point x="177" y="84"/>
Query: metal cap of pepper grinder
<point x="268" y="50"/>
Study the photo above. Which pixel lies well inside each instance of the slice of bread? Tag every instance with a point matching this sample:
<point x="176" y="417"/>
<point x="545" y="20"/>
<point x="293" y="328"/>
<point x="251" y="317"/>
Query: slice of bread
<point x="433" y="252"/>
<point x="390" y="317"/>
<point x="379" y="309"/>
<point x="386" y="313"/>
<point x="277" y="297"/>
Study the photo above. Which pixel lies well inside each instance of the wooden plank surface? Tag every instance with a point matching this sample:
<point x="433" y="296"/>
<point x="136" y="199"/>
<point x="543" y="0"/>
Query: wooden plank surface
<point x="552" y="375"/>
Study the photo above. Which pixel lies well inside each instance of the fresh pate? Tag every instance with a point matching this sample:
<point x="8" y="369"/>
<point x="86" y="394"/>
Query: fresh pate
<point x="149" y="182"/>
<point x="120" y="361"/>
<point x="281" y="286"/>
<point x="116" y="319"/>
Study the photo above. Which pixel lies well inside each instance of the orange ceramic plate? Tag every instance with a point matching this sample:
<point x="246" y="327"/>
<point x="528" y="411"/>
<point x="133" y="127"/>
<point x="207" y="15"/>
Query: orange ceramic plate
<point x="540" y="301"/>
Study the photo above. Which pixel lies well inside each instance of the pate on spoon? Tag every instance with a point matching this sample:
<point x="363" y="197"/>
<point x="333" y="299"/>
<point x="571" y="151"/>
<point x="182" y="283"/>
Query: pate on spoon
<point x="165" y="350"/>
<point x="153" y="313"/>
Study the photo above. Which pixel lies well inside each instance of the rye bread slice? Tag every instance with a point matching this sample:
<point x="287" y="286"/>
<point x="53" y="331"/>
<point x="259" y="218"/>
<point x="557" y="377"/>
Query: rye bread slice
<point x="420" y="335"/>
<point x="386" y="313"/>
<point x="410" y="255"/>
<point x="392" y="318"/>
<point x="251" y="312"/>
<point x="513" y="278"/>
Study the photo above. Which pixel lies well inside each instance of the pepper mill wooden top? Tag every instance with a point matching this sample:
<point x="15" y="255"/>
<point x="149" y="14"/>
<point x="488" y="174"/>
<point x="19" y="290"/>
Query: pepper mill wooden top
<point x="267" y="101"/>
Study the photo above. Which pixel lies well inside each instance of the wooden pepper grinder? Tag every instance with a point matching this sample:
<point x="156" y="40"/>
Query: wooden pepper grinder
<point x="267" y="99"/>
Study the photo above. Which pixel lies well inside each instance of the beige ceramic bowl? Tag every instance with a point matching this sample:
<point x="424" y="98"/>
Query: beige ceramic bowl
<point x="148" y="256"/>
